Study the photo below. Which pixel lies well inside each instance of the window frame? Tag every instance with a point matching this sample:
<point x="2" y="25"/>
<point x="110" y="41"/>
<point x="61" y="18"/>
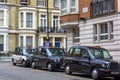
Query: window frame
<point x="106" y="35"/>
<point x="2" y="1"/>
<point x="2" y="19"/>
<point x="44" y="3"/>
<point x="64" y="9"/>
<point x="24" y="2"/>
<point x="2" y="43"/>
<point x="56" y="4"/>
<point x="29" y="21"/>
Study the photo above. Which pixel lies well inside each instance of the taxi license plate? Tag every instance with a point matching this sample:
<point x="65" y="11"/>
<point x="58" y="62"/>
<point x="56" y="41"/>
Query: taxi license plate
<point x="115" y="72"/>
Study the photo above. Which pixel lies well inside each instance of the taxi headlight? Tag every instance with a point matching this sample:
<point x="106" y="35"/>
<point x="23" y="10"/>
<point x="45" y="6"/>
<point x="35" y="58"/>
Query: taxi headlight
<point x="104" y="65"/>
<point x="56" y="60"/>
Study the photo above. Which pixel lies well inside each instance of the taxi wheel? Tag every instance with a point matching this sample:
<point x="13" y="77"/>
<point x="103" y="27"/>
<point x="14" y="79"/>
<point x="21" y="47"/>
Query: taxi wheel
<point x="24" y="63"/>
<point x="33" y="65"/>
<point x="49" y="67"/>
<point x="14" y="64"/>
<point x="117" y="78"/>
<point x="68" y="70"/>
<point x="95" y="74"/>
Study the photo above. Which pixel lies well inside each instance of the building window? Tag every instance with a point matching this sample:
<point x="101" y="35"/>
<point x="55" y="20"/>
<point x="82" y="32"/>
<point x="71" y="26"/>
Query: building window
<point x="29" y="40"/>
<point x="21" y="16"/>
<point x="64" y="6"/>
<point x="2" y="0"/>
<point x="103" y="31"/>
<point x="1" y="18"/>
<point x="56" y="23"/>
<point x="29" y="20"/>
<point x="41" y="2"/>
<point x="101" y="7"/>
<point x="72" y="6"/>
<point x="1" y="42"/>
<point x="43" y="21"/>
<point x="75" y="35"/>
<point x="56" y="3"/>
<point x="21" y="41"/>
<point x="24" y="2"/>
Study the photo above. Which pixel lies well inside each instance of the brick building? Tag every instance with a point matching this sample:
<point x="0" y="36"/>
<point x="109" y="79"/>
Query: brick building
<point x="92" y="22"/>
<point x="24" y="23"/>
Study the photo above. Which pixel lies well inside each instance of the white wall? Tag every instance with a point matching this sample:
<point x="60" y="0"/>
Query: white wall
<point x="86" y="34"/>
<point x="118" y="5"/>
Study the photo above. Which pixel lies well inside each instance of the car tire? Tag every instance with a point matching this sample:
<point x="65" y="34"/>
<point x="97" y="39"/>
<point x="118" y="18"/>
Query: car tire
<point x="33" y="65"/>
<point x="68" y="70"/>
<point x="50" y="67"/>
<point x="24" y="63"/>
<point x="117" y="78"/>
<point x="95" y="74"/>
<point x="14" y="64"/>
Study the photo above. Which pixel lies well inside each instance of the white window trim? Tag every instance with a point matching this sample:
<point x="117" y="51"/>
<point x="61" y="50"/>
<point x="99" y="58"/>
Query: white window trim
<point x="24" y="19"/>
<point x="98" y="33"/>
<point x="5" y="24"/>
<point x="58" y="19"/>
<point x="68" y="8"/>
<point x="44" y="18"/>
<point x="42" y="6"/>
<point x="24" y="39"/>
<point x="6" y="45"/>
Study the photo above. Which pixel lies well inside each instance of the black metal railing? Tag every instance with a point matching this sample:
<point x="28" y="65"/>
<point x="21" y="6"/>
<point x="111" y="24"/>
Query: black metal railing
<point x="51" y="29"/>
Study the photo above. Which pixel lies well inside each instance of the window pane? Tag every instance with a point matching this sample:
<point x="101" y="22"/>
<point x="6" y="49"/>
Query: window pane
<point x="104" y="28"/>
<point x="56" y="3"/>
<point x="21" y="40"/>
<point x="29" y="41"/>
<point x="1" y="42"/>
<point x="1" y="18"/>
<point x="21" y="15"/>
<point x="72" y="3"/>
<point x="64" y="6"/>
<point x="41" y="2"/>
<point x="24" y="2"/>
<point x="29" y="19"/>
<point x="43" y="21"/>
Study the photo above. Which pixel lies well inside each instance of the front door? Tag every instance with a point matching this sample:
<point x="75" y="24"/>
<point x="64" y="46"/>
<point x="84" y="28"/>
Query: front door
<point x="76" y="59"/>
<point x="84" y="61"/>
<point x="44" y="57"/>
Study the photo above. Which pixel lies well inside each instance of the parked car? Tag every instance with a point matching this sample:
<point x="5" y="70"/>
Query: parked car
<point x="90" y="60"/>
<point x="47" y="57"/>
<point x="22" y="55"/>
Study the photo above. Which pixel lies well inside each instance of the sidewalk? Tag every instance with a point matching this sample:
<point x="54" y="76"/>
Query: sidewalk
<point x="5" y="58"/>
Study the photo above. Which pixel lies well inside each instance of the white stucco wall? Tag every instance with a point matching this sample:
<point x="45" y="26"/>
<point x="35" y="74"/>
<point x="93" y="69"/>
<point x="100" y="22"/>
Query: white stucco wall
<point x="86" y="34"/>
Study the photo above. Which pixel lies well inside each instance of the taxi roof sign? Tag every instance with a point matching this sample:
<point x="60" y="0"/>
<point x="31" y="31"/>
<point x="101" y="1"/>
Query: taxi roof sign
<point x="97" y="46"/>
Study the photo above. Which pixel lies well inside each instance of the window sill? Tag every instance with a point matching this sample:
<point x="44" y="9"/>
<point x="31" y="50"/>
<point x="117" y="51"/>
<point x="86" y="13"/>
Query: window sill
<point x="104" y="41"/>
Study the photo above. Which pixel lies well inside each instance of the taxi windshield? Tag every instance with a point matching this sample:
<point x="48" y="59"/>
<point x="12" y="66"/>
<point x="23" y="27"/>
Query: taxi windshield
<point x="30" y="51"/>
<point x="56" y="51"/>
<point x="100" y="53"/>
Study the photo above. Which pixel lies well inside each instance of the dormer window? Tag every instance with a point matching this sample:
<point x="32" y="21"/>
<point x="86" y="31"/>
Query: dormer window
<point x="24" y="2"/>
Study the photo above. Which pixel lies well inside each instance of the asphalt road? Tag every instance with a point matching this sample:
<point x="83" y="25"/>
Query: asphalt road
<point x="9" y="72"/>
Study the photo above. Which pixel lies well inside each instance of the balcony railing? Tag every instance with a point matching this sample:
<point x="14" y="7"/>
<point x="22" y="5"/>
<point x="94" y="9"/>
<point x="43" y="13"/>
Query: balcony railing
<point x="51" y="30"/>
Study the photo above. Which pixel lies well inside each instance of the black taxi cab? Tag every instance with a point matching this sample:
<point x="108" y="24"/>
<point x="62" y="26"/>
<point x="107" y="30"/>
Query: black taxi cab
<point x="90" y="60"/>
<point x="48" y="57"/>
<point x="22" y="55"/>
